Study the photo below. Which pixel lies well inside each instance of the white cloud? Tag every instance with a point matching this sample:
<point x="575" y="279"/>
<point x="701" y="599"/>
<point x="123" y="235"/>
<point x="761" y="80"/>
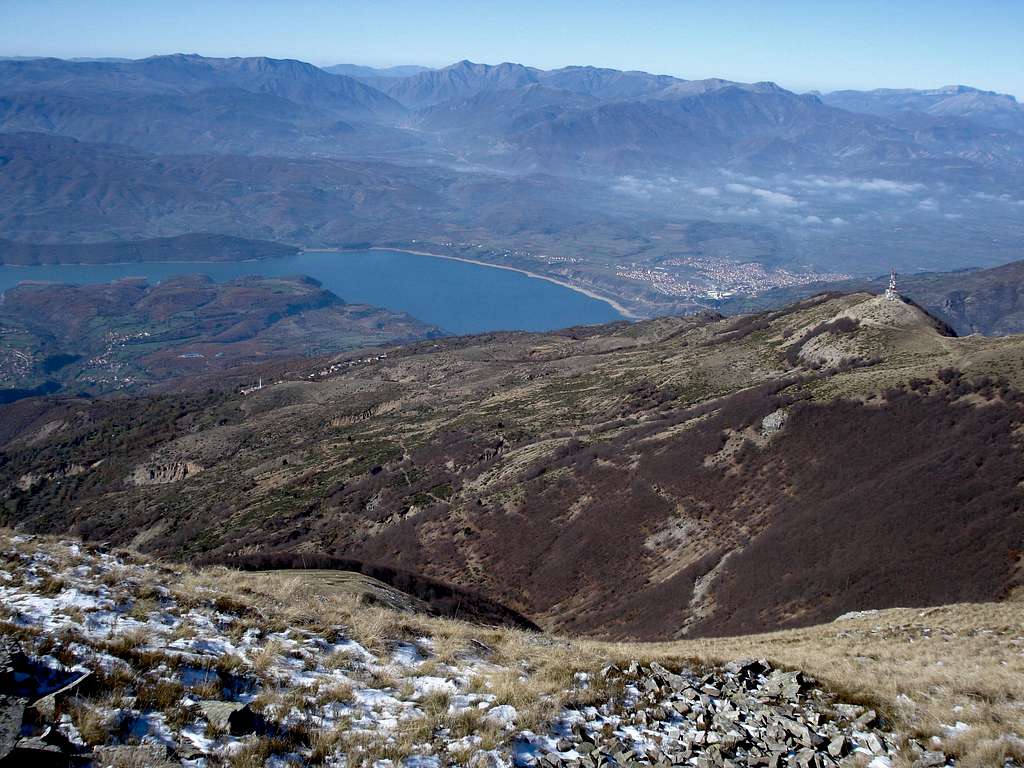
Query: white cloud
<point x="777" y="199"/>
<point x="631" y="185"/>
<point x="928" y="204"/>
<point x="836" y="221"/>
<point x="737" y="211"/>
<point x="886" y="186"/>
<point x="1003" y="198"/>
<point x="890" y="187"/>
<point x="707" y="191"/>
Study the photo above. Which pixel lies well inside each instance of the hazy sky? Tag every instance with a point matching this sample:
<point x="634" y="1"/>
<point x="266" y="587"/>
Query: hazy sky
<point x="800" y="44"/>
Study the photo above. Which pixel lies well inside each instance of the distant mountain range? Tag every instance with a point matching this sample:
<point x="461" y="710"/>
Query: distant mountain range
<point x="539" y="169"/>
<point x="998" y="110"/>
<point x="465" y="79"/>
<point x="185" y="103"/>
<point x="506" y="116"/>
<point x="358" y="71"/>
<point x="296" y="81"/>
<point x="191" y="247"/>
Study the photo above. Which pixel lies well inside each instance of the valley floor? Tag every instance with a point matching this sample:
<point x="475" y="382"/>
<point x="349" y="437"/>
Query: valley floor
<point x="157" y="664"/>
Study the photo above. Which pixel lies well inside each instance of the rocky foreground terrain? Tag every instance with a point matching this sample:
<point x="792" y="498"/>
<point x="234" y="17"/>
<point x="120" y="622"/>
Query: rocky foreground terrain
<point x="107" y="658"/>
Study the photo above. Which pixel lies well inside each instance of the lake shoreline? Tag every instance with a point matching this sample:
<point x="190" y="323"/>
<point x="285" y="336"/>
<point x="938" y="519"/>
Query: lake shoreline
<point x="626" y="313"/>
<point x="452" y="297"/>
<point x="622" y="310"/>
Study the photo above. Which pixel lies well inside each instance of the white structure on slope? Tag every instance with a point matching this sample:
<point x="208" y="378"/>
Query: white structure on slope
<point x="253" y="388"/>
<point x="891" y="293"/>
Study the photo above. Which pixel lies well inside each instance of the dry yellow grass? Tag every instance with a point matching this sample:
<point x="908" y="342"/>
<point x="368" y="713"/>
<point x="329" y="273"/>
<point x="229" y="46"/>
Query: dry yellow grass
<point x="925" y="669"/>
<point x="265" y="658"/>
<point x="91" y="723"/>
<point x="342" y="693"/>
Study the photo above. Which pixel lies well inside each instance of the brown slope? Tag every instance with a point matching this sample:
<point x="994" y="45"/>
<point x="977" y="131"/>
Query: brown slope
<point x="914" y="501"/>
<point x="661" y="479"/>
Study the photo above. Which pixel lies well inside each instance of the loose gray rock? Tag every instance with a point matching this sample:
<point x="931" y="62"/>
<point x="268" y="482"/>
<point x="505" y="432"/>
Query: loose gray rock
<point x="12" y="712"/>
<point x="930" y="760"/>
<point x="47" y="705"/>
<point x="149" y="755"/>
<point x="837" y="746"/>
<point x="744" y="714"/>
<point x="238" y="719"/>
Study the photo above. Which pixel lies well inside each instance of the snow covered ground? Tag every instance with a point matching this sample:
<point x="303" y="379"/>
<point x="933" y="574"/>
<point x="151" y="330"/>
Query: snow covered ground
<point x="193" y="674"/>
<point x="98" y="612"/>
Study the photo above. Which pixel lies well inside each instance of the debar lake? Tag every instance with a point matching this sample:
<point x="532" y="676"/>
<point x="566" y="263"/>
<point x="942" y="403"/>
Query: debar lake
<point x="458" y="296"/>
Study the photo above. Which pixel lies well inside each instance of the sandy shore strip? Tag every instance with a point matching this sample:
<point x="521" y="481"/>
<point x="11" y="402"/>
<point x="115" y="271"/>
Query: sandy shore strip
<point x="610" y="302"/>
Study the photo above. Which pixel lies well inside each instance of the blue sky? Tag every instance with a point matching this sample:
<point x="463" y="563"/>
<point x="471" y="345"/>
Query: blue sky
<point x="800" y="44"/>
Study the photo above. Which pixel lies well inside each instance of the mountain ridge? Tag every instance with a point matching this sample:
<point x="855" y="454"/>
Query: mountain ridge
<point x="295" y="80"/>
<point x="362" y="72"/>
<point x="990" y="108"/>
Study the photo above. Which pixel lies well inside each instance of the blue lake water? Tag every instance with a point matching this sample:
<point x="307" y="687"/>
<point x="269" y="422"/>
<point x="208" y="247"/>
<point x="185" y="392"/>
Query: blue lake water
<point x="457" y="296"/>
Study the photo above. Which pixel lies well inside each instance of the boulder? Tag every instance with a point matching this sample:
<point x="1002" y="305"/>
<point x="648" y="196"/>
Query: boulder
<point x="51" y="748"/>
<point x="865" y="720"/>
<point x="837" y="746"/>
<point x="930" y="760"/>
<point x="149" y="755"/>
<point x="46" y="706"/>
<point x="37" y="753"/>
<point x="12" y="712"/>
<point x="238" y="719"/>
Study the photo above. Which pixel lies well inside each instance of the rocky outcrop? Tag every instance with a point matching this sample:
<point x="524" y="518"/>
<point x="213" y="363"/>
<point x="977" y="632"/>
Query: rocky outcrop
<point x="745" y="713"/>
<point x="29" y="480"/>
<point x="161" y="474"/>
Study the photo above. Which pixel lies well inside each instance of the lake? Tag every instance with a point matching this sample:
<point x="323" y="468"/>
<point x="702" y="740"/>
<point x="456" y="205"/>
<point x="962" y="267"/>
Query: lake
<point x="457" y="296"/>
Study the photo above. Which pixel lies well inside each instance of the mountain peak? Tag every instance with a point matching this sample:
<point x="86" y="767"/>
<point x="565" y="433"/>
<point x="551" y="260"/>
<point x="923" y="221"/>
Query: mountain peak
<point x="961" y="89"/>
<point x="904" y="324"/>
